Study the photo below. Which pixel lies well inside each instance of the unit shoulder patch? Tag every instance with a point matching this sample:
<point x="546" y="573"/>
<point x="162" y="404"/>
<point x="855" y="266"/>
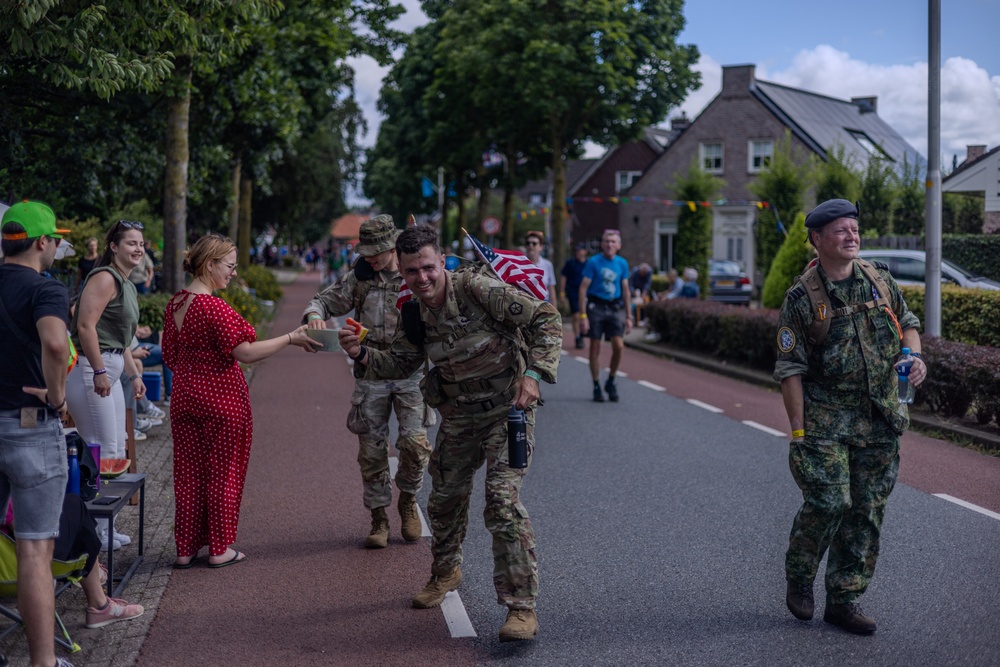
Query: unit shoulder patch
<point x="515" y="308"/>
<point x="786" y="339"/>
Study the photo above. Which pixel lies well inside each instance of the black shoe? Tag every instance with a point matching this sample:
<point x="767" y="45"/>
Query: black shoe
<point x="850" y="617"/>
<point x="579" y="342"/>
<point x="598" y="396"/>
<point x="612" y="390"/>
<point x="799" y="599"/>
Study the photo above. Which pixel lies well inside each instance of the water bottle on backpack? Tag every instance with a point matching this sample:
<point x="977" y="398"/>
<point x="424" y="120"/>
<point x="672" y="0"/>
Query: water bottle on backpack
<point x="903" y="366"/>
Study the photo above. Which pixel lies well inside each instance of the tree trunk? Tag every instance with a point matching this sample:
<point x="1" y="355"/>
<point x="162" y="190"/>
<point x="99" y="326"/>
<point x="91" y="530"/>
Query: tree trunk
<point x="508" y="200"/>
<point x="460" y="225"/>
<point x="234" y="210"/>
<point x="484" y="193"/>
<point x="243" y="243"/>
<point x="558" y="210"/>
<point x="175" y="183"/>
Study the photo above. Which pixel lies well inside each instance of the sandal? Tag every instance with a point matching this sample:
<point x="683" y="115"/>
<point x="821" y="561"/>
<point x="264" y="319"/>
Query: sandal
<point x="186" y="566"/>
<point x="238" y="557"/>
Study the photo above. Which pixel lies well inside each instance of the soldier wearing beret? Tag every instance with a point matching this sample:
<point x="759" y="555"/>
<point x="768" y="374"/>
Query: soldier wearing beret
<point x="491" y="344"/>
<point x="840" y="394"/>
<point x="370" y="291"/>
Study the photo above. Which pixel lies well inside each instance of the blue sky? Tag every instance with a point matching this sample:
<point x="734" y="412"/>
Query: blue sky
<point x="853" y="48"/>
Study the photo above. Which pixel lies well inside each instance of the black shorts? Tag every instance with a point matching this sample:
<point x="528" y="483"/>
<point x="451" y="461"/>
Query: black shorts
<point x="607" y="319"/>
<point x="574" y="303"/>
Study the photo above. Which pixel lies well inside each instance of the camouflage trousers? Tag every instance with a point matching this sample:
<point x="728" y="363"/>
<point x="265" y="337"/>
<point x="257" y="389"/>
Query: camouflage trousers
<point x="464" y="442"/>
<point x="375" y="400"/>
<point x="844" y="490"/>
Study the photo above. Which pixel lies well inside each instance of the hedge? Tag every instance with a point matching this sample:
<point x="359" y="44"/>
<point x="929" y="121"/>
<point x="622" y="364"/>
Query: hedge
<point x="262" y="282"/>
<point x="961" y="377"/>
<point x="976" y="252"/>
<point x="969" y="316"/>
<point x="151" y="309"/>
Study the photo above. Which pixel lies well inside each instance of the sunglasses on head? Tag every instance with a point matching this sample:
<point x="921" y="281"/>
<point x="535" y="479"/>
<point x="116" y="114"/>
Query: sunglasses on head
<point x="130" y="224"/>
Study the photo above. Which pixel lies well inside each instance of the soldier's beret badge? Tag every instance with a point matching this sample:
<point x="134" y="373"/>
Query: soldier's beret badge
<point x="515" y="308"/>
<point x="786" y="339"/>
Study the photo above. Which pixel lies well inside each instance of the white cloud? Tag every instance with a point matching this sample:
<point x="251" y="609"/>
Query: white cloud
<point x="970" y="97"/>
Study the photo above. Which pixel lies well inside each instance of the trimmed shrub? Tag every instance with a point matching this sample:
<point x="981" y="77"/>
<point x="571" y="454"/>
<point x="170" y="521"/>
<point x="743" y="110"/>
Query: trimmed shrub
<point x="961" y="377"/>
<point x="967" y="315"/>
<point x="660" y="283"/>
<point x="976" y="252"/>
<point x="787" y="265"/>
<point x="247" y="305"/>
<point x="152" y="308"/>
<point x="262" y="282"/>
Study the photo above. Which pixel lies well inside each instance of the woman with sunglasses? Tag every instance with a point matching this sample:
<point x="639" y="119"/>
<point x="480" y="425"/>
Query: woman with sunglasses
<point x="102" y="327"/>
<point x="204" y="342"/>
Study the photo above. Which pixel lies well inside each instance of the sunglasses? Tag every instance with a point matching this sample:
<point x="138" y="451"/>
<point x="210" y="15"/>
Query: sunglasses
<point x="57" y="239"/>
<point x="532" y="243"/>
<point x="130" y="224"/>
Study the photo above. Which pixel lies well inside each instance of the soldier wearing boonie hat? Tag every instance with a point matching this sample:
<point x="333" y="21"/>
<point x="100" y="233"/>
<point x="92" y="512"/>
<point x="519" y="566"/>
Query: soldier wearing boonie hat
<point x="370" y="290"/>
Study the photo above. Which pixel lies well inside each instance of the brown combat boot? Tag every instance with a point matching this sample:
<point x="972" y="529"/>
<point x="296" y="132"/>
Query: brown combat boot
<point x="799" y="598"/>
<point x="379" y="537"/>
<point x="521" y="624"/>
<point x="850" y="617"/>
<point x="433" y="593"/>
<point x="407" y="506"/>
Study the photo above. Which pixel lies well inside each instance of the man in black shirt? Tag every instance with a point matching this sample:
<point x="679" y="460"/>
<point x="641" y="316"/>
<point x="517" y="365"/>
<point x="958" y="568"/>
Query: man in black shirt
<point x="34" y="349"/>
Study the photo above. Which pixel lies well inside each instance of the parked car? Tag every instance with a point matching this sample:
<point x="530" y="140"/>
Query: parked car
<point x="908" y="267"/>
<point x="727" y="282"/>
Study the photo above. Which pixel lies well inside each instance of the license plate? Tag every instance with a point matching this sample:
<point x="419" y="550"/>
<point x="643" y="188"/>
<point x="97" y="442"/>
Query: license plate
<point x="724" y="283"/>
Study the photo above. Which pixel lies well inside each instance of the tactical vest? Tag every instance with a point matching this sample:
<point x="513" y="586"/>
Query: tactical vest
<point x="819" y="301"/>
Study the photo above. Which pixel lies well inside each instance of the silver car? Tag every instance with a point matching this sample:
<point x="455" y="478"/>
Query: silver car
<point x="908" y="267"/>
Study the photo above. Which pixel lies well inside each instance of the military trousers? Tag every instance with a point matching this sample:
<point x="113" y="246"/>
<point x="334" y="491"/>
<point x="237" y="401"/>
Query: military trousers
<point x="464" y="442"/>
<point x="845" y="488"/>
<point x="373" y="402"/>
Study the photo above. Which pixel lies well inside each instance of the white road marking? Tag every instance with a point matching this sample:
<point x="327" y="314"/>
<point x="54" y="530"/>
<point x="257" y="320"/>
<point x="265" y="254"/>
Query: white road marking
<point x="564" y="352"/>
<point x="967" y="505"/>
<point x="765" y="429"/>
<point x="704" y="406"/>
<point x="650" y="385"/>
<point x="456" y="617"/>
<point x="619" y="373"/>
<point x="582" y="360"/>
<point x="393" y="467"/>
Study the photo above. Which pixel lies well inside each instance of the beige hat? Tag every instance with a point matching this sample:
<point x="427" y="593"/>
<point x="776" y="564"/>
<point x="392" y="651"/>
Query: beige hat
<point x="377" y="235"/>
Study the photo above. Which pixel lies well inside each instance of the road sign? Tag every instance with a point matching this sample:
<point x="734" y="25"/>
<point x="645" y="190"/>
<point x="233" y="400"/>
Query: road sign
<point x="491" y="225"/>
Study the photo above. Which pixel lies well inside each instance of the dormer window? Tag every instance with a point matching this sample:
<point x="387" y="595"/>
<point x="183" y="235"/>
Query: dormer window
<point x="870" y="146"/>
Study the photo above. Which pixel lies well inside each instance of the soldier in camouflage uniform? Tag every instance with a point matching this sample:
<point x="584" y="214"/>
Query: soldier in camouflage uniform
<point x="371" y="290"/>
<point x="841" y="399"/>
<point x="470" y="325"/>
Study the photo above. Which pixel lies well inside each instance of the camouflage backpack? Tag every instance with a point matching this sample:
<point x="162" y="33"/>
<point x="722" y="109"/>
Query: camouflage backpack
<point x="819" y="300"/>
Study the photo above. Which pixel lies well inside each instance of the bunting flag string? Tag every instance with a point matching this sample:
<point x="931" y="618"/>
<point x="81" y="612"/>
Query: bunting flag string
<point x="691" y="205"/>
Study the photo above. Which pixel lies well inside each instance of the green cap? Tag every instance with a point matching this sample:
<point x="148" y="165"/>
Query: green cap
<point x="377" y="235"/>
<point x="36" y="218"/>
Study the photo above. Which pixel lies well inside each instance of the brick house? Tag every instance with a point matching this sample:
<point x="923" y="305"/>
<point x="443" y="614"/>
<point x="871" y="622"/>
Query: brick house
<point x="979" y="173"/>
<point x="734" y="137"/>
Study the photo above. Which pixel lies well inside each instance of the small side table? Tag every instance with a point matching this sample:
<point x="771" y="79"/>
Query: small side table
<point x="124" y="487"/>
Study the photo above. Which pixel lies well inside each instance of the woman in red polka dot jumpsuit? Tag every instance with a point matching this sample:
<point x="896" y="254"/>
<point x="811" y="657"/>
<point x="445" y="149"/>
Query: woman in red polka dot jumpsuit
<point x="204" y="341"/>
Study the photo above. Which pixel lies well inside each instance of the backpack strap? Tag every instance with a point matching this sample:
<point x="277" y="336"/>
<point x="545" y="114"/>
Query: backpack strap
<point x="819" y="306"/>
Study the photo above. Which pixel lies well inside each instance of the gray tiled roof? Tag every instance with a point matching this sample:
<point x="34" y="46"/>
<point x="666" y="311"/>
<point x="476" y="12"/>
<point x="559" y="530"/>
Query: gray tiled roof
<point x="823" y="122"/>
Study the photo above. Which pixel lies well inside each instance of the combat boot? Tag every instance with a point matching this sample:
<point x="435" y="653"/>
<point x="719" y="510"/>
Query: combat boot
<point x="433" y="593"/>
<point x="379" y="537"/>
<point x="407" y="506"/>
<point x="612" y="389"/>
<point x="850" y="617"/>
<point x="521" y="624"/>
<point x="598" y="396"/>
<point x="799" y="599"/>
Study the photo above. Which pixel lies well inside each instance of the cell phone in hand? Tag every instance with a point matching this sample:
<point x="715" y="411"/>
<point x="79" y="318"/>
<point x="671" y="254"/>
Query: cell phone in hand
<point x="106" y="500"/>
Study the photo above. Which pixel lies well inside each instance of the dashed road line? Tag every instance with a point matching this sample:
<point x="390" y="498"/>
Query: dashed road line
<point x="456" y="617"/>
<point x="582" y="360"/>
<point x="704" y="406"/>
<point x="650" y="385"/>
<point x="765" y="429"/>
<point x="968" y="505"/>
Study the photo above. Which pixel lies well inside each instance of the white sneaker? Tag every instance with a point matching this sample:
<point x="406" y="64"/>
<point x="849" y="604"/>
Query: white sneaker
<point x="138" y="435"/>
<point x="145" y="424"/>
<point x="154" y="412"/>
<point x="122" y="539"/>
<point x="115" y="545"/>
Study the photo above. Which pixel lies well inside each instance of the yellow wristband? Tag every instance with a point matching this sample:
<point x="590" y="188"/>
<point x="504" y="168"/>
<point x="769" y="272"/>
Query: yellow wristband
<point x="583" y="316"/>
<point x="800" y="433"/>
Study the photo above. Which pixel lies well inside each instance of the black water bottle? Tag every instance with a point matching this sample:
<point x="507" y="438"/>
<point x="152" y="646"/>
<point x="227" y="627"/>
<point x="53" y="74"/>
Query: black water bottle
<point x="517" y="438"/>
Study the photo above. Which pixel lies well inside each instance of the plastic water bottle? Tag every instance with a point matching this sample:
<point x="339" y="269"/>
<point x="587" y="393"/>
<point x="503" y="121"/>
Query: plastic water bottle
<point x="73" y="483"/>
<point x="517" y="438"/>
<point x="903" y="366"/>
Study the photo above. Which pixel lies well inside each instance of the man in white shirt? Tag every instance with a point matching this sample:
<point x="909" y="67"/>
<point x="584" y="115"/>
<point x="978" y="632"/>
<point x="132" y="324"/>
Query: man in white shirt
<point x="533" y="242"/>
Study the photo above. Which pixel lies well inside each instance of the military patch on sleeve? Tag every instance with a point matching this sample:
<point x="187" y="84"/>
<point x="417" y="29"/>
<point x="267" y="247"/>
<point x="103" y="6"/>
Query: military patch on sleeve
<point x="515" y="308"/>
<point x="786" y="339"/>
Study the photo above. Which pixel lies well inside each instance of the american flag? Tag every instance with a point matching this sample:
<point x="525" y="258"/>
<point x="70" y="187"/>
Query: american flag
<point x="512" y="267"/>
<point x="404" y="295"/>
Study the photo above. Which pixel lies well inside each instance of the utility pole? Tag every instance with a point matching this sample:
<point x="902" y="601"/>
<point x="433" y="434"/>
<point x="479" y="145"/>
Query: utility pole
<point x="932" y="244"/>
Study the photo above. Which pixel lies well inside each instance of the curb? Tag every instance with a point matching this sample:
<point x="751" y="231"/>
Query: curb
<point x="759" y="378"/>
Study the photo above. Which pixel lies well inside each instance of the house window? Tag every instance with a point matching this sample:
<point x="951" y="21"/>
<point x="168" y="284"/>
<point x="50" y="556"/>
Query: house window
<point x="760" y="154"/>
<point x="711" y="158"/>
<point x="734" y="249"/>
<point x="625" y="179"/>
<point x="536" y="199"/>
<point x="870" y="146"/>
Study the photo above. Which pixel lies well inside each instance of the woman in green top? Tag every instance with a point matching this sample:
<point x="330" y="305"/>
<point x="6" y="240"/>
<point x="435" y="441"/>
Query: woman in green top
<point x="102" y="327"/>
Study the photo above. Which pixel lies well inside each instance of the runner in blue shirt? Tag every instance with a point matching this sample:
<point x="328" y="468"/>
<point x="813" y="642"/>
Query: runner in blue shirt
<point x="605" y="292"/>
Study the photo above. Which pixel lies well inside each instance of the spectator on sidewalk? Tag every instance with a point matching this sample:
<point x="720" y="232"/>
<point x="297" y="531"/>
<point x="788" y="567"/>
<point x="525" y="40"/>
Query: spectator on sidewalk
<point x="33" y="353"/>
<point x="102" y="327"/>
<point x="607" y="312"/>
<point x="86" y="263"/>
<point x="641" y="285"/>
<point x="569" y="287"/>
<point x="204" y="341"/>
<point x="686" y="286"/>
<point x="370" y="292"/>
<point x="844" y="414"/>
<point x="510" y="341"/>
<point x="142" y="275"/>
<point x="533" y="244"/>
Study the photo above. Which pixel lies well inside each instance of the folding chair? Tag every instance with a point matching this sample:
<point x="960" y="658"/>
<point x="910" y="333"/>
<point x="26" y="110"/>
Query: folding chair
<point x="64" y="573"/>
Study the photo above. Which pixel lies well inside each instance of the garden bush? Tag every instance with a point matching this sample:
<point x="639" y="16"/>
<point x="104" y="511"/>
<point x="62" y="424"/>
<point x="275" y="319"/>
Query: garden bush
<point x="967" y="315"/>
<point x="244" y="303"/>
<point x="151" y="310"/>
<point x="792" y="256"/>
<point x="262" y="282"/>
<point x="976" y="252"/>
<point x="961" y="377"/>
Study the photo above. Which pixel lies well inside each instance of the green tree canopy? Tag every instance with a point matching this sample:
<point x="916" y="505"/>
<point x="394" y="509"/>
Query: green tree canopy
<point x="693" y="243"/>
